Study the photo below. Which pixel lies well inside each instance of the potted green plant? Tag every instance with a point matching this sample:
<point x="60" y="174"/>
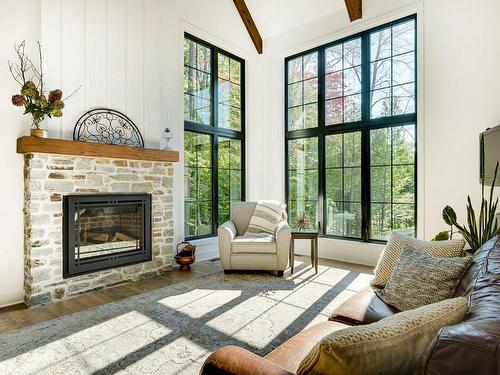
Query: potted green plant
<point x="478" y="230"/>
<point x="32" y="95"/>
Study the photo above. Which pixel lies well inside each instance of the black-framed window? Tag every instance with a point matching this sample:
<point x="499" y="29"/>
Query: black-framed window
<point x="214" y="135"/>
<point x="350" y="109"/>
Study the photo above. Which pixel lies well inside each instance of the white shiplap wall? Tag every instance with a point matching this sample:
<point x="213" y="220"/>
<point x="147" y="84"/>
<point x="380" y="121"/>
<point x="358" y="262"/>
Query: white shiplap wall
<point x="127" y="54"/>
<point x="108" y="47"/>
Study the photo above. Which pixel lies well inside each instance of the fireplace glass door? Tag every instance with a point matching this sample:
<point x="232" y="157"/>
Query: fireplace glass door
<point x="105" y="231"/>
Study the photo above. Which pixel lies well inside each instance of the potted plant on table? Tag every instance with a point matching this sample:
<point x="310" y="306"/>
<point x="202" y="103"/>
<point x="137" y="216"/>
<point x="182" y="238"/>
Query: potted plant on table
<point x="478" y="230"/>
<point x="32" y="95"/>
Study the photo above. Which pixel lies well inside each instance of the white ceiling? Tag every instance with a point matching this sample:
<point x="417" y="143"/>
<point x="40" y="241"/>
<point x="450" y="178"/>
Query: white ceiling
<point x="274" y="17"/>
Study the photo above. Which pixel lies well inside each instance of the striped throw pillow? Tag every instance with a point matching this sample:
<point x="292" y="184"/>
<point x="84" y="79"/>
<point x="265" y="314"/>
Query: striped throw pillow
<point x="266" y="217"/>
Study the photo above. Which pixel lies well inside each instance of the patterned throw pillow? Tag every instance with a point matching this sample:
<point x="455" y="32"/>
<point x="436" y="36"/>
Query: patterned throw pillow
<point x="266" y="217"/>
<point x="394" y="345"/>
<point x="420" y="279"/>
<point x="395" y="246"/>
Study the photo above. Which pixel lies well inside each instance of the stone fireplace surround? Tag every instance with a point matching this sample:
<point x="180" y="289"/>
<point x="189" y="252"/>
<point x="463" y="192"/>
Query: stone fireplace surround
<point x="47" y="178"/>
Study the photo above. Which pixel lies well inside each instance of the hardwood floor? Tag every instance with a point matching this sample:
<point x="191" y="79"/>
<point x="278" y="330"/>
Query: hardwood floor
<point x="18" y="316"/>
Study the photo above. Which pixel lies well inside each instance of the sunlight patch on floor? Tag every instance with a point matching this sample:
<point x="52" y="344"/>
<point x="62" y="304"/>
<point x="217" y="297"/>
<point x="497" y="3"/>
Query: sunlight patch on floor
<point x="360" y="282"/>
<point x="241" y="315"/>
<point x="169" y="358"/>
<point x="308" y="295"/>
<point x="209" y="303"/>
<point x="331" y="276"/>
<point x="269" y="325"/>
<point x="174" y="330"/>
<point x="89" y="349"/>
<point x="185" y="297"/>
<point x="285" y="288"/>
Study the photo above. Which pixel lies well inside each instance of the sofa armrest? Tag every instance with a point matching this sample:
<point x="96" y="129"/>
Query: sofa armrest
<point x="283" y="238"/>
<point x="233" y="360"/>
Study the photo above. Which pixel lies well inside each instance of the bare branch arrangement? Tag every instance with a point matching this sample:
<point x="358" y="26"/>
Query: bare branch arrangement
<point x="32" y="95"/>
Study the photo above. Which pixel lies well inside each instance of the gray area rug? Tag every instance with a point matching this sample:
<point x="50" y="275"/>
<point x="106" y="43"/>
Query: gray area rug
<point x="172" y="330"/>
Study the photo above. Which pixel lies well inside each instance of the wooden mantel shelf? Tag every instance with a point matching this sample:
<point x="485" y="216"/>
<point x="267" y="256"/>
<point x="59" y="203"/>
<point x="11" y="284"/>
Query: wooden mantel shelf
<point x="33" y="145"/>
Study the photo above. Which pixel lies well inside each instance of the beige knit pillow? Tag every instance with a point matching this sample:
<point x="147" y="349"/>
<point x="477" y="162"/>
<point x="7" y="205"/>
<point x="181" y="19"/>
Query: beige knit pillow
<point x="394" y="345"/>
<point x="395" y="246"/>
<point x="421" y="279"/>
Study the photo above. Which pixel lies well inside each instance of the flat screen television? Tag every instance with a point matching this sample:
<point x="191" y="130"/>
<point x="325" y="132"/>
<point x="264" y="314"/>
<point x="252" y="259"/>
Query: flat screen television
<point x="489" y="155"/>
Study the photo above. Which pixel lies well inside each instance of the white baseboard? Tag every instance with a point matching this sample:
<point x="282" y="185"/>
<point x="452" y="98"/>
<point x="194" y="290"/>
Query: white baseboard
<point x="346" y="251"/>
<point x="11" y="297"/>
<point x="206" y="248"/>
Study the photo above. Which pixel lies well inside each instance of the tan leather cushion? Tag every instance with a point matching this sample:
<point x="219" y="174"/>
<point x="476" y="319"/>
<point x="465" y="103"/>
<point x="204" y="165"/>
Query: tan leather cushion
<point x="362" y="308"/>
<point x="232" y="360"/>
<point x="261" y="243"/>
<point x="289" y="354"/>
<point x="395" y="345"/>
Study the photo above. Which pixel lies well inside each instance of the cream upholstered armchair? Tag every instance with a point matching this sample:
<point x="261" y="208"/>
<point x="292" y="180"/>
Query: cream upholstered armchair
<point x="252" y="252"/>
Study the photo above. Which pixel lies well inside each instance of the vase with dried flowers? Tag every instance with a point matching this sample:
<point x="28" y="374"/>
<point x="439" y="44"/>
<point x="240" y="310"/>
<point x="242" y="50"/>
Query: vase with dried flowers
<point x="32" y="95"/>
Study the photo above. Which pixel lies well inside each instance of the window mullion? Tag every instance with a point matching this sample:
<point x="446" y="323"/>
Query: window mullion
<point x="215" y="141"/>
<point x="322" y="209"/>
<point x="215" y="182"/>
<point x="365" y="138"/>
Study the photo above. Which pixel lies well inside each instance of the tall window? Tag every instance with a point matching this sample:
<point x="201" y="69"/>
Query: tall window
<point x="350" y="132"/>
<point x="214" y="135"/>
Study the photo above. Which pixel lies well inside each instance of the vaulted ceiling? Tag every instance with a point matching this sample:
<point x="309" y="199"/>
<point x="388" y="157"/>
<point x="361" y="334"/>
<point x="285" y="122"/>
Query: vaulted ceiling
<point x="274" y="17"/>
<point x="266" y="18"/>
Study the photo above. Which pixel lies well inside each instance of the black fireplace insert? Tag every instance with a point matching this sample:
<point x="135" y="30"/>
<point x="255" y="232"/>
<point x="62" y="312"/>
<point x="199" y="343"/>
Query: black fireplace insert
<point x="104" y="231"/>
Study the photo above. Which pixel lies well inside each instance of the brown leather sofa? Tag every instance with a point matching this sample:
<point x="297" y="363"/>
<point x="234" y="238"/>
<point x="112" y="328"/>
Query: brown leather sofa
<point x="472" y="347"/>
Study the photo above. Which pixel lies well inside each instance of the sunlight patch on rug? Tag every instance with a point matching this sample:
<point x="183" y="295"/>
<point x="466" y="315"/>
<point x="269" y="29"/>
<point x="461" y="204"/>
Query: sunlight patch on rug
<point x="93" y="348"/>
<point x="172" y="330"/>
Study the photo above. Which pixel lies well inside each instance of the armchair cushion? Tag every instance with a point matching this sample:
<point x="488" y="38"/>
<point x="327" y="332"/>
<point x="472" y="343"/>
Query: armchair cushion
<point x="255" y="243"/>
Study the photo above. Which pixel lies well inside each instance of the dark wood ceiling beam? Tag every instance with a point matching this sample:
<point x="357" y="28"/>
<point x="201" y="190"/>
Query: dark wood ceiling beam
<point x="247" y="19"/>
<point x="354" y="8"/>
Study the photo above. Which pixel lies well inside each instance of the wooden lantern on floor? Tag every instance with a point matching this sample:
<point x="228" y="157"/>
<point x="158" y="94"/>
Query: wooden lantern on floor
<point x="185" y="255"/>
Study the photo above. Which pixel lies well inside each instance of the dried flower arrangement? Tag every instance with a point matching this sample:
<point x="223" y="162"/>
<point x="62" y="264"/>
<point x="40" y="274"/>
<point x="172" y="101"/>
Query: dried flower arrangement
<point x="302" y="221"/>
<point x="32" y="95"/>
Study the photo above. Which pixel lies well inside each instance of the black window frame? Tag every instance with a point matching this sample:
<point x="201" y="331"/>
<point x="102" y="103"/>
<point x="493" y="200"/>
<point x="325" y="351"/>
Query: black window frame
<point x="215" y="132"/>
<point x="365" y="125"/>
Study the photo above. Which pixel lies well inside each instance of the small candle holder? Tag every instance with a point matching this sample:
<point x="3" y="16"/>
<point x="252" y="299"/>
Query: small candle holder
<point x="167" y="135"/>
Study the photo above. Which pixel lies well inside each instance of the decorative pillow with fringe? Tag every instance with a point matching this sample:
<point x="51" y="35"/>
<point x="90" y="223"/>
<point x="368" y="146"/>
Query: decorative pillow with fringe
<point x="266" y="217"/>
<point x="420" y="279"/>
<point x="395" y="246"/>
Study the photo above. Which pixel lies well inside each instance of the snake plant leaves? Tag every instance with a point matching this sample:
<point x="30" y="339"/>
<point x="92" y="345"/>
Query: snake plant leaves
<point x="442" y="236"/>
<point x="449" y="216"/>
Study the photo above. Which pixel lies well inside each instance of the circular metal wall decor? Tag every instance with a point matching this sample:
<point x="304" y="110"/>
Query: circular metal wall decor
<point x="105" y="125"/>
